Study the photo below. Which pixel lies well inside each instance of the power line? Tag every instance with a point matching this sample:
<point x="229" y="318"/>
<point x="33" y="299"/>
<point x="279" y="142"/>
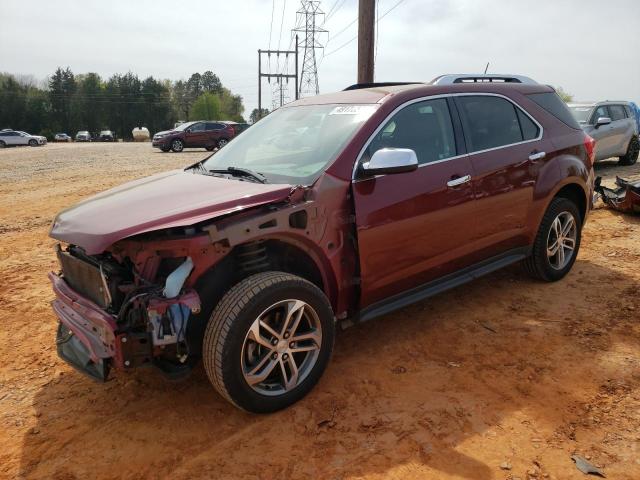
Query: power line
<point x="273" y="6"/>
<point x="379" y="19"/>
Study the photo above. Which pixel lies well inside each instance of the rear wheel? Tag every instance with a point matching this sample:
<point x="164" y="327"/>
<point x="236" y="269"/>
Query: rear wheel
<point x="2" y="144"/>
<point x="631" y="157"/>
<point x="210" y="148"/>
<point x="222" y="142"/>
<point x="557" y="242"/>
<point x="268" y="341"/>
<point x="177" y="145"/>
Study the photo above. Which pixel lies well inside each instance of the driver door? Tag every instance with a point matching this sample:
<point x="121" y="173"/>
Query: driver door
<point x="196" y="136"/>
<point x="416" y="226"/>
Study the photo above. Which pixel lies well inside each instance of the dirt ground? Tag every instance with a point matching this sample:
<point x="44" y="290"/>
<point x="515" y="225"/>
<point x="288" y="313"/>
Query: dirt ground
<point x="503" y="378"/>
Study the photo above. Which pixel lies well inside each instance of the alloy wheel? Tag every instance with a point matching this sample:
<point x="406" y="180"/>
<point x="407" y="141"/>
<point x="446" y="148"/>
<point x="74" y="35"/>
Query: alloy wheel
<point x="281" y="347"/>
<point x="177" y="146"/>
<point x="222" y="143"/>
<point x="561" y="240"/>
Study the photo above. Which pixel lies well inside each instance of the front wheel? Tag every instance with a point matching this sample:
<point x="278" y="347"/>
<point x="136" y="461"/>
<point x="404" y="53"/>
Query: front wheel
<point x="177" y="145"/>
<point x="268" y="341"/>
<point x="557" y="243"/>
<point x="631" y="157"/>
<point x="33" y="143"/>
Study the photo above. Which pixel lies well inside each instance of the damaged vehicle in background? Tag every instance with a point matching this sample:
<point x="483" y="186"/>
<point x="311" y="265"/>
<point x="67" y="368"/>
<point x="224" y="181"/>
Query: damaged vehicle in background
<point x="374" y="198"/>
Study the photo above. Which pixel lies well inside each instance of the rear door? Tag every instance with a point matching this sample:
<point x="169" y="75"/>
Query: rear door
<point x="213" y="132"/>
<point x="196" y="136"/>
<point x="413" y="227"/>
<point x="507" y="153"/>
<point x="621" y="129"/>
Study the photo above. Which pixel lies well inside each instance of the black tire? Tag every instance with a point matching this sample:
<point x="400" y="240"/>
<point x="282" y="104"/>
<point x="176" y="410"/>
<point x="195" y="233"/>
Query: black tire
<point x="2" y="144"/>
<point x="230" y="322"/>
<point x="177" y="145"/>
<point x="631" y="157"/>
<point x="222" y="142"/>
<point x="33" y="143"/>
<point x="538" y="264"/>
<point x="210" y="148"/>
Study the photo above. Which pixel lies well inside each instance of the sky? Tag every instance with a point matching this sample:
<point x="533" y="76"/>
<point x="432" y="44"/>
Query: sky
<point x="591" y="48"/>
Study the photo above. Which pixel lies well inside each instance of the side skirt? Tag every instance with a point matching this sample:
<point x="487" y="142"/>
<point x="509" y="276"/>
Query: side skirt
<point x="439" y="285"/>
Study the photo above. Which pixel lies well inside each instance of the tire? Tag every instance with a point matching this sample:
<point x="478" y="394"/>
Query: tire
<point x="631" y="157"/>
<point x="541" y="264"/>
<point x="33" y="143"/>
<point x="210" y="149"/>
<point x="177" y="145"/>
<point x="230" y="354"/>
<point x="2" y="144"/>
<point x="222" y="142"/>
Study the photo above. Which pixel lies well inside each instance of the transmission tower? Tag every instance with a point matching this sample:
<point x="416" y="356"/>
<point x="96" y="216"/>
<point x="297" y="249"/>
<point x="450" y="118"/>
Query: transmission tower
<point x="309" y="24"/>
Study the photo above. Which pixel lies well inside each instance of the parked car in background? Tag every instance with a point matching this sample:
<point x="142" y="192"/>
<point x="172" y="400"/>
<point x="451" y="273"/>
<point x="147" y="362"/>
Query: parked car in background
<point x="613" y="126"/>
<point x="83" y="136"/>
<point x="106" y="136"/>
<point x="62" y="137"/>
<point x="378" y="197"/>
<point x="12" y="138"/>
<point x="198" y="134"/>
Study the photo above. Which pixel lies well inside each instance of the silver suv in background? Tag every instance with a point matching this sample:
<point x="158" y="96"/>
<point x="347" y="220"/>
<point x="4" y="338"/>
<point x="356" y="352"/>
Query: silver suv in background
<point x="613" y="126"/>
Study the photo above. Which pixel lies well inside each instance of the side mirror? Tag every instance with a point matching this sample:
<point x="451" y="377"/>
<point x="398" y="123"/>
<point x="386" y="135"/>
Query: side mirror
<point x="391" y="160"/>
<point x="602" y="121"/>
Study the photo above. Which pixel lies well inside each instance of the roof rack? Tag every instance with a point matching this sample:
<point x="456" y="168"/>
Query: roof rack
<point x="450" y="79"/>
<point x="358" y="86"/>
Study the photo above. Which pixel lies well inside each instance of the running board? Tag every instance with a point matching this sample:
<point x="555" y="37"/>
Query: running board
<point x="440" y="285"/>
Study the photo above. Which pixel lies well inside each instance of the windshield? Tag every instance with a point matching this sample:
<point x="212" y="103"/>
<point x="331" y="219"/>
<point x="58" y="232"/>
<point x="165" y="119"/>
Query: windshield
<point x="184" y="126"/>
<point x="581" y="114"/>
<point x="293" y="144"/>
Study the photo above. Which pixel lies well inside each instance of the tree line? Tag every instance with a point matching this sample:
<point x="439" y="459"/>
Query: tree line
<point x="67" y="102"/>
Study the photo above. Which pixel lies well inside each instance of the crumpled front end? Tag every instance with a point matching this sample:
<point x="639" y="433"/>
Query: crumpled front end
<point x="111" y="318"/>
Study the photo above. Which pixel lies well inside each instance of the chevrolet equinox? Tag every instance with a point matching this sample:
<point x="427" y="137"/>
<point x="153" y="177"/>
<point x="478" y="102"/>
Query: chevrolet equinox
<point x="334" y="209"/>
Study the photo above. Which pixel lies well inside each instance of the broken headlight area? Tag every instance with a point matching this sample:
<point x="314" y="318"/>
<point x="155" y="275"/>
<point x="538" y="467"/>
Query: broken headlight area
<point x="111" y="316"/>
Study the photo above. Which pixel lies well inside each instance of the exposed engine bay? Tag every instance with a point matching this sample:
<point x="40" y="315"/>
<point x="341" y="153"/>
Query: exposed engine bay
<point x="128" y="320"/>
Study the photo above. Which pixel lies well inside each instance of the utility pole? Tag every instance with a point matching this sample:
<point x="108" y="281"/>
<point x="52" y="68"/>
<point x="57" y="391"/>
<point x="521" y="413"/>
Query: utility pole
<point x="308" y="22"/>
<point x="366" y="36"/>
<point x="277" y="76"/>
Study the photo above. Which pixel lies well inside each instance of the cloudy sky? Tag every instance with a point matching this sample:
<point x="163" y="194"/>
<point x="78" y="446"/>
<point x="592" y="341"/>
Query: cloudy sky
<point x="591" y="48"/>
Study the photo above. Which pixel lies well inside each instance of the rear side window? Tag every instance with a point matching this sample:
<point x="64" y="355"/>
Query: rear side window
<point x="553" y="104"/>
<point x="489" y="122"/>
<point x="424" y="127"/>
<point x="617" y="112"/>
<point x="214" y="126"/>
<point x="529" y="129"/>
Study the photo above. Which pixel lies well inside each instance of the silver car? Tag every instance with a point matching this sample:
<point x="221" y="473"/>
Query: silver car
<point x="613" y="127"/>
<point x="10" y="138"/>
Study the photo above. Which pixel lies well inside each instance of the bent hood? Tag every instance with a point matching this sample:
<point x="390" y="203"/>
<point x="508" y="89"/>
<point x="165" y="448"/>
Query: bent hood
<point x="171" y="199"/>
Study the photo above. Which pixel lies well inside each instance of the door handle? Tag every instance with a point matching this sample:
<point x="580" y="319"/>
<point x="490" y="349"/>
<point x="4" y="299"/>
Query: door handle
<point x="537" y="156"/>
<point x="454" y="182"/>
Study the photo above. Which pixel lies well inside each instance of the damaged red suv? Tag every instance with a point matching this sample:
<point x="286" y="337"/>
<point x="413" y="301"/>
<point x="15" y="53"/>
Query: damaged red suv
<point x="332" y="210"/>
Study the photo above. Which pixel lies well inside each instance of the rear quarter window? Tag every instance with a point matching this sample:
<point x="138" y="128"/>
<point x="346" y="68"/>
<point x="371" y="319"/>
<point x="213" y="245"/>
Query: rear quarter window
<point x="553" y="104"/>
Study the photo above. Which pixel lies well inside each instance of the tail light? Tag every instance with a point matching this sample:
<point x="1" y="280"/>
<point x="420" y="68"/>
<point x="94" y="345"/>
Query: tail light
<point x="590" y="146"/>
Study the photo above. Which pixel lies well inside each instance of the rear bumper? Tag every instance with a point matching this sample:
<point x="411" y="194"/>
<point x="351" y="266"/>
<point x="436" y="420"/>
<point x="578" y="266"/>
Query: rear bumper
<point x="94" y="344"/>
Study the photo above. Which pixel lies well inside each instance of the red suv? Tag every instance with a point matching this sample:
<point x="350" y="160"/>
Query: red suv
<point x="334" y="209"/>
<point x="209" y="135"/>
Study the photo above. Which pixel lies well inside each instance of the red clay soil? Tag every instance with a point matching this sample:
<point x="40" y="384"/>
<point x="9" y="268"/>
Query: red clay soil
<point x="503" y="378"/>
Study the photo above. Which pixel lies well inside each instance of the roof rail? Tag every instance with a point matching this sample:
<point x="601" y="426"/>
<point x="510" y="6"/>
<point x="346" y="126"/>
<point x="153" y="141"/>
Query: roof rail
<point x="481" y="78"/>
<point x="358" y="86"/>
